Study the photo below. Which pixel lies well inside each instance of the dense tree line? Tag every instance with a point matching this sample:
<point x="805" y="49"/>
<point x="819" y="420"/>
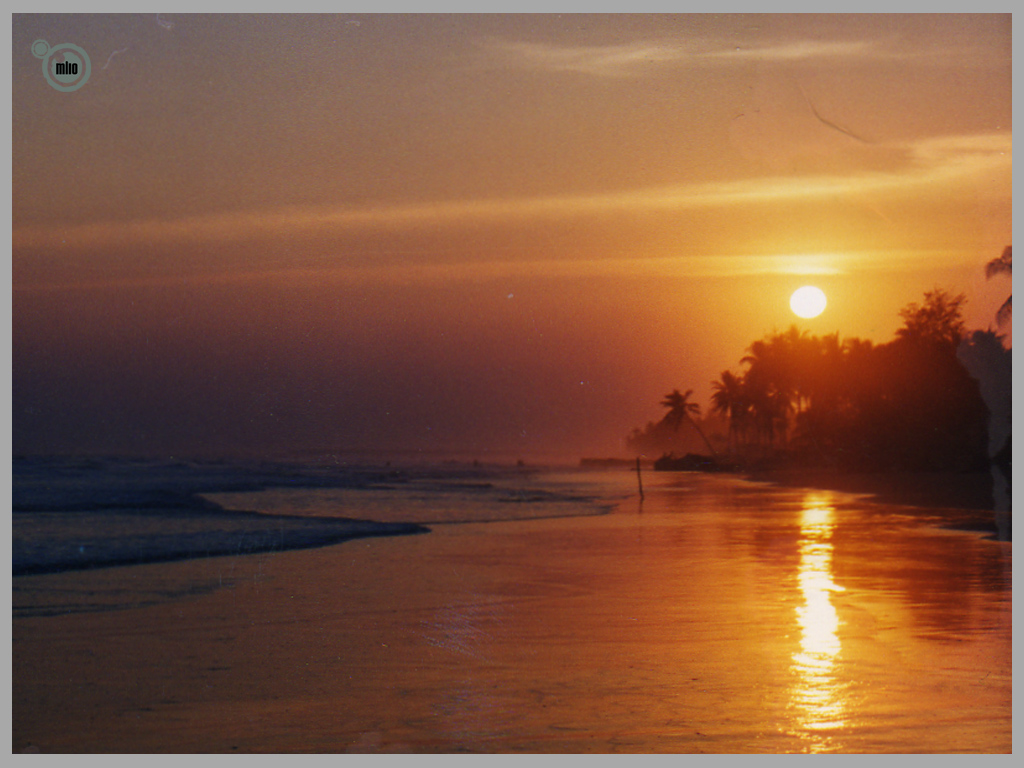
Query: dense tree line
<point x="823" y="400"/>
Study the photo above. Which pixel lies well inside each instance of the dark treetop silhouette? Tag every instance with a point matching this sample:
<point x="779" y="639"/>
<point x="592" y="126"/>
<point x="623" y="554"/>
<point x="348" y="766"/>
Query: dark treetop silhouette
<point x="805" y="400"/>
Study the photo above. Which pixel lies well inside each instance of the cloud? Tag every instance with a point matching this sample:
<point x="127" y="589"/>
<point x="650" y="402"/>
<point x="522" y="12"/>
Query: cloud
<point x="799" y="50"/>
<point x="640" y="57"/>
<point x="621" y="60"/>
<point x="635" y="58"/>
<point x="951" y="156"/>
<point x="720" y="265"/>
<point x="929" y="164"/>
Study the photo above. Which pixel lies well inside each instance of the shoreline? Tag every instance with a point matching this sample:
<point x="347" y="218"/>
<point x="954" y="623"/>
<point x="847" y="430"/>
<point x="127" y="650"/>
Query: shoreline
<point x="603" y="633"/>
<point x="186" y="536"/>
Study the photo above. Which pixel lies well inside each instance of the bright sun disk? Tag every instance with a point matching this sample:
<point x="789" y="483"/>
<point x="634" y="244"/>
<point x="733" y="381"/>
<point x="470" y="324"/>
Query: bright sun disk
<point x="807" y="301"/>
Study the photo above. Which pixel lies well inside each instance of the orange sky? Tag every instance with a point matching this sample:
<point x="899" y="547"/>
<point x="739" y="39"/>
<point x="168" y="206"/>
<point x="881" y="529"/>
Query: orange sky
<point x="493" y="234"/>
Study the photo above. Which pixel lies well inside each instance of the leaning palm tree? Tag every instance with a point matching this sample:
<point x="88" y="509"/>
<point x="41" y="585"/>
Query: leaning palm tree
<point x="680" y="410"/>
<point x="1002" y="265"/>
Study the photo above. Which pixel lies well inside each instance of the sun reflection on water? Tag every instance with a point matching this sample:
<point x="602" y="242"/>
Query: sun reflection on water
<point x="818" y="695"/>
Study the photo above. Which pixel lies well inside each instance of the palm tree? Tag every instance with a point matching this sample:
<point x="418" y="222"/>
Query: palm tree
<point x="680" y="410"/>
<point x="1002" y="265"/>
<point x="730" y="399"/>
<point x="769" y="406"/>
<point x="769" y="385"/>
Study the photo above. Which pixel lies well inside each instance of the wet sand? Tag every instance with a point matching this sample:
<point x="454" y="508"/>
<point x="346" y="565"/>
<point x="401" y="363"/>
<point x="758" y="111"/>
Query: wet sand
<point x="930" y="490"/>
<point x="830" y="625"/>
<point x="969" y="490"/>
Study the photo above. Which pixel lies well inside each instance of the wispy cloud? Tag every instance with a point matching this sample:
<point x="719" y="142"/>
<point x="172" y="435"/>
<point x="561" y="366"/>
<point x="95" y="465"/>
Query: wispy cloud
<point x="634" y="58"/>
<point x="643" y="56"/>
<point x="722" y="265"/>
<point x="621" y="60"/>
<point x="799" y="50"/>
<point x="930" y="164"/>
<point x="951" y="156"/>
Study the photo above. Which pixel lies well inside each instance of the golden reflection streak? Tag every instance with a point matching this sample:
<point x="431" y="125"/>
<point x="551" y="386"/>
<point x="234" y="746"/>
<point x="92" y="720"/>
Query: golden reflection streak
<point x="817" y="694"/>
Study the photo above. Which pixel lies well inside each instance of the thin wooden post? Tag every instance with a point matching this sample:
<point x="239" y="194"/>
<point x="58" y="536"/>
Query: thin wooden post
<point x="639" y="480"/>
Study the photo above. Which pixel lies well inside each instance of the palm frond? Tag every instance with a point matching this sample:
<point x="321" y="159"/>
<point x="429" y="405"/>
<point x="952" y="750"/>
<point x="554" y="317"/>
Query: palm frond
<point x="1005" y="312"/>
<point x="1001" y="265"/>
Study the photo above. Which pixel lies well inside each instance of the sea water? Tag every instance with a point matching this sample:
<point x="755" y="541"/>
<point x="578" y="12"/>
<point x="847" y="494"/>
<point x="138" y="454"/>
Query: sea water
<point x="545" y="610"/>
<point x="88" y="512"/>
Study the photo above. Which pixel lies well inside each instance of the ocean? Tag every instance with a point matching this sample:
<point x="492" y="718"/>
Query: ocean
<point x="76" y="513"/>
<point x="169" y="606"/>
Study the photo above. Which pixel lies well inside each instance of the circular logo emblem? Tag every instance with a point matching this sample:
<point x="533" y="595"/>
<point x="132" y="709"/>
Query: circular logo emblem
<point x="66" y="67"/>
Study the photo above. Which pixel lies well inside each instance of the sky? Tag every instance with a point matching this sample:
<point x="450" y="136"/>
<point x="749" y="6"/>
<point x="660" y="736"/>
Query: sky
<point x="490" y="235"/>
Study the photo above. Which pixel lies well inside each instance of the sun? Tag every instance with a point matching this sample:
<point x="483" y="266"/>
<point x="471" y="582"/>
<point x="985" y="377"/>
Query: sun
<point x="807" y="301"/>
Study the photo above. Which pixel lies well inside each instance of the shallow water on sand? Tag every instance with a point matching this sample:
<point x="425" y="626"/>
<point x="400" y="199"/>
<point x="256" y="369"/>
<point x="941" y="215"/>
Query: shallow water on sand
<point x="718" y="616"/>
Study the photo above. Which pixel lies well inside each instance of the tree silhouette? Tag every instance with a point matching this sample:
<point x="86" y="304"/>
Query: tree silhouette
<point x="907" y="404"/>
<point x="769" y="385"/>
<point x="938" y="319"/>
<point x="680" y="409"/>
<point x="730" y="399"/>
<point x="999" y="266"/>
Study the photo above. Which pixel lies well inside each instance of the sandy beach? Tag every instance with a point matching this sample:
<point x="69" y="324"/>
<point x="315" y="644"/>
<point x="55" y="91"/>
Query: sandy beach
<point x="657" y="628"/>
